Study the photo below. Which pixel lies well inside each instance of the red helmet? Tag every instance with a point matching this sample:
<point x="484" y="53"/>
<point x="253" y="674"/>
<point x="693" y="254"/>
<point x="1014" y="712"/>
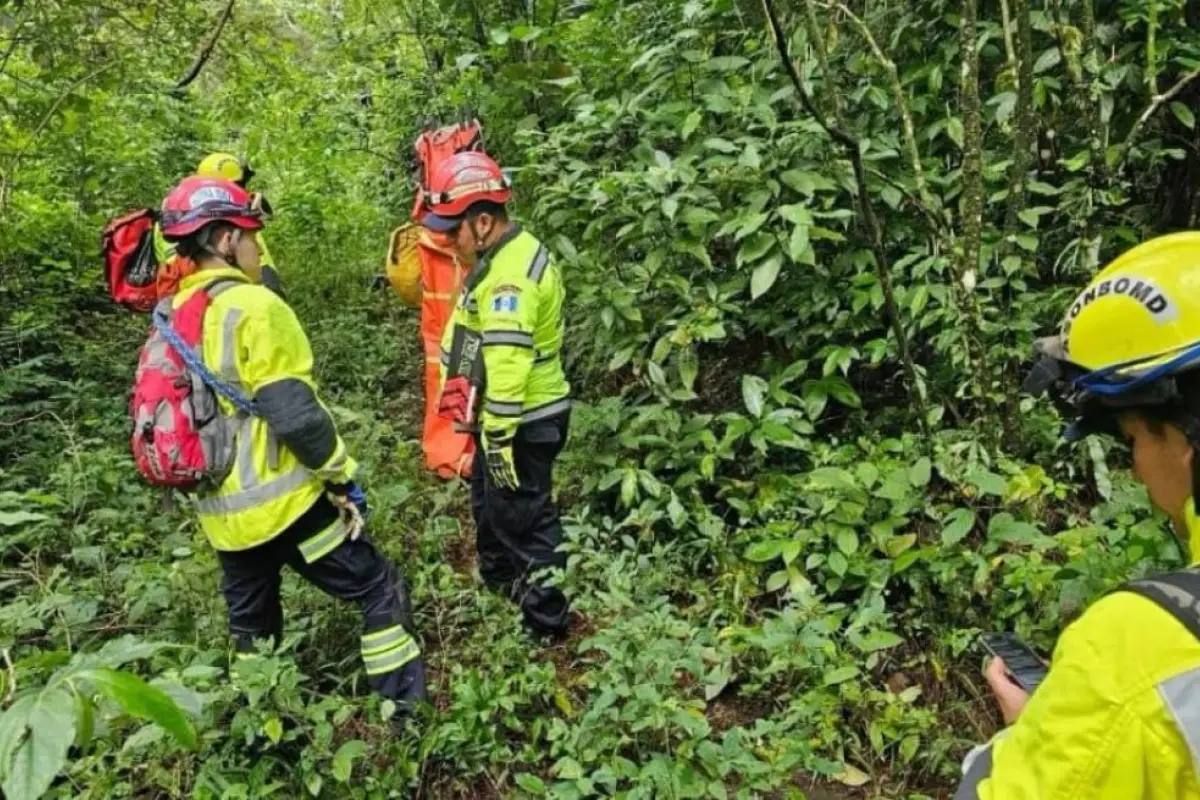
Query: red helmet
<point x="458" y="183"/>
<point x="197" y="202"/>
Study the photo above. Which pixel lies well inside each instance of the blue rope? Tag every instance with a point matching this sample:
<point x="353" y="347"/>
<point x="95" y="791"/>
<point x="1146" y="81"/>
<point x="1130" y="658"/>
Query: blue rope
<point x="195" y="364"/>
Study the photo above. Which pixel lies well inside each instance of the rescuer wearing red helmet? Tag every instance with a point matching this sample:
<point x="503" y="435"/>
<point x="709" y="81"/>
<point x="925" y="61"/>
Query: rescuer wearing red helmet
<point x="503" y="379"/>
<point x="290" y="497"/>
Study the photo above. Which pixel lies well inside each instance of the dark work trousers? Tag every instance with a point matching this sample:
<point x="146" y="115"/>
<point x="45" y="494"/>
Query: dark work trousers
<point x="353" y="571"/>
<point x="518" y="530"/>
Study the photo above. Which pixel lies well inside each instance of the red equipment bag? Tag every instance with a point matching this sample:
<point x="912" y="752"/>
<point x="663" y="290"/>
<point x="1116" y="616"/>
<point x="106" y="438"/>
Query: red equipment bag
<point x="130" y="263"/>
<point x="181" y="438"/>
<point x="435" y="146"/>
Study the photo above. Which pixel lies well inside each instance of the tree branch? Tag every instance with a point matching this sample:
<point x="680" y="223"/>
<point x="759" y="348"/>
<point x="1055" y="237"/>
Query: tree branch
<point x="910" y="136"/>
<point x="867" y="213"/>
<point x="1159" y="101"/>
<point x="205" y="52"/>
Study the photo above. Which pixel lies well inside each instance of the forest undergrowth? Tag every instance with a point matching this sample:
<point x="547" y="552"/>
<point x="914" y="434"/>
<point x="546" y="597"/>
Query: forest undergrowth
<point x="801" y="476"/>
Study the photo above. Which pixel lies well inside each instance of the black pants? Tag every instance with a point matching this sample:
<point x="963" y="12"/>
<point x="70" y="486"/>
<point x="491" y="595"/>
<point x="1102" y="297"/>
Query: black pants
<point x="518" y="530"/>
<point x="353" y="571"/>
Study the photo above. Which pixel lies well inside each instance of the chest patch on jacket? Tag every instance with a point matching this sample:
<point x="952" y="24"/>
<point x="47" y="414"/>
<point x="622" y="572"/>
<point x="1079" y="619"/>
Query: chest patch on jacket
<point x="506" y="299"/>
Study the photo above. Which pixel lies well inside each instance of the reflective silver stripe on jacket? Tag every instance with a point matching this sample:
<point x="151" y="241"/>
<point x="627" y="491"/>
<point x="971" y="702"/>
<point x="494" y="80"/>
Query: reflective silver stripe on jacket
<point x="228" y="368"/>
<point x="1181" y="695"/>
<point x="537" y="267"/>
<point x="551" y="409"/>
<point x="256" y="495"/>
<point x="514" y="338"/>
<point x="501" y="409"/>
<point x="546" y="411"/>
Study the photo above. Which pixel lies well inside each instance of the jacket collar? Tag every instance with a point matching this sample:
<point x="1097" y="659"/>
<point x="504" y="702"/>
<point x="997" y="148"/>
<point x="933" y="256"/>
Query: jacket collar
<point x="204" y="277"/>
<point x="1193" y="525"/>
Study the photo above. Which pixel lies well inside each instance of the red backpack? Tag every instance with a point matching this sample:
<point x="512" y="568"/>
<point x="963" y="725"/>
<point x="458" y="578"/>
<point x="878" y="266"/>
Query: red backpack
<point x="130" y="263"/>
<point x="181" y="439"/>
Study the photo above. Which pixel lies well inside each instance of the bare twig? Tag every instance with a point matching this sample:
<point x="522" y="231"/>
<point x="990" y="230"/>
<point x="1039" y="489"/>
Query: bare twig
<point x="205" y="52"/>
<point x="898" y="96"/>
<point x="1006" y="21"/>
<point x="12" y="45"/>
<point x="45" y="120"/>
<point x="866" y="211"/>
<point x="1158" y="102"/>
<point x="12" y="676"/>
<point x="833" y="98"/>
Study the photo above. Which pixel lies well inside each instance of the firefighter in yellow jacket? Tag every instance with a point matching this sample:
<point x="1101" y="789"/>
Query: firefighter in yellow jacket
<point x="292" y="476"/>
<point x="503" y="378"/>
<point x="229" y="167"/>
<point x="1118" y="715"/>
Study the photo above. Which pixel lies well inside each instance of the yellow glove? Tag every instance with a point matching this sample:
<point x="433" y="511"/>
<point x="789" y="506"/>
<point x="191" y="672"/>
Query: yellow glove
<point x="498" y="454"/>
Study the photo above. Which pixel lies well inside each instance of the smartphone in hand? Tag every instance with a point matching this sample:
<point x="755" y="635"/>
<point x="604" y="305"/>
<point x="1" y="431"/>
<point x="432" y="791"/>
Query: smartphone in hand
<point x="1024" y="666"/>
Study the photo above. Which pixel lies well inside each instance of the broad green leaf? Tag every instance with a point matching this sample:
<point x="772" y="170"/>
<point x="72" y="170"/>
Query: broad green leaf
<point x="852" y="776"/>
<point x="754" y="390"/>
<point x="691" y="123"/>
<point x="531" y="783"/>
<point x="10" y="519"/>
<point x="959" y="523"/>
<point x="897" y="545"/>
<point x="840" y="675"/>
<point x="777" y="581"/>
<point x="798" y="244"/>
<point x="838" y="563"/>
<point x="988" y="482"/>
<point x="144" y="701"/>
<point x="343" y="759"/>
<point x="920" y="472"/>
<point x="764" y="275"/>
<point x="85" y="722"/>
<point x="954" y="128"/>
<point x="880" y="640"/>
<point x="720" y="145"/>
<point x="847" y="542"/>
<point x="755" y="247"/>
<point x="50" y="718"/>
<point x="802" y="182"/>
<point x="761" y="552"/>
<point x="1184" y="115"/>
<point x="1049" y="58"/>
<point x="273" y="729"/>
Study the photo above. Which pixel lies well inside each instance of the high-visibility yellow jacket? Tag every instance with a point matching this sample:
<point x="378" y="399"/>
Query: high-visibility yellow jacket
<point x="1117" y="717"/>
<point x="267" y="274"/>
<point x="513" y="298"/>
<point x="288" y="450"/>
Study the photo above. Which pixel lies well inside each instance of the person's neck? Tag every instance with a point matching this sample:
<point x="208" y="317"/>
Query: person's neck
<point x="499" y="231"/>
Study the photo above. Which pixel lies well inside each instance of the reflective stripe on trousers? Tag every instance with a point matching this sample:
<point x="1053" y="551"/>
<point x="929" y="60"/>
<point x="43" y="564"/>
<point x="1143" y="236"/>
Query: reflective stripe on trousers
<point x="1181" y="695"/>
<point x="388" y="649"/>
<point x="314" y="547"/>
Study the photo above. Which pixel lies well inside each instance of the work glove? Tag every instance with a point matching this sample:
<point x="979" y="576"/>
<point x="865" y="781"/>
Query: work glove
<point x="498" y="453"/>
<point x="351" y="500"/>
<point x="457" y="401"/>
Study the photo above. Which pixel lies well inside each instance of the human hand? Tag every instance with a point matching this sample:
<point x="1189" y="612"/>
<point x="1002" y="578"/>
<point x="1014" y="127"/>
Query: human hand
<point x="1009" y="696"/>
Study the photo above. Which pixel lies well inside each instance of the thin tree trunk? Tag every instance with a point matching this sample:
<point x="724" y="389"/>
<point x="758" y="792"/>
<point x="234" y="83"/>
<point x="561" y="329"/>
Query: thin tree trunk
<point x="1024" y="134"/>
<point x="972" y="168"/>
<point x="869" y="221"/>
<point x="1006" y="21"/>
<point x="828" y="87"/>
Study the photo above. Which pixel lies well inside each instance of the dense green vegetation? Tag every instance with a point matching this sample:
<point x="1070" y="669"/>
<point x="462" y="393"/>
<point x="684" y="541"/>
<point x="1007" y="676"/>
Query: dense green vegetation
<point x="801" y="476"/>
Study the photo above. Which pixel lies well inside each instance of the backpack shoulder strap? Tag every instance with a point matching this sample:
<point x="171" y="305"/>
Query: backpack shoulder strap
<point x="1177" y="593"/>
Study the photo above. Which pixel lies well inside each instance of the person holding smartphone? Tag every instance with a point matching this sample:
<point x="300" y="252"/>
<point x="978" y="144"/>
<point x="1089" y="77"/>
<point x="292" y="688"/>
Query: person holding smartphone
<point x="1118" y="714"/>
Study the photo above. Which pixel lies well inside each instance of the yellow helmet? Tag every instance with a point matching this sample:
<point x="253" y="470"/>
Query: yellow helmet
<point x="1126" y="336"/>
<point x="227" y="166"/>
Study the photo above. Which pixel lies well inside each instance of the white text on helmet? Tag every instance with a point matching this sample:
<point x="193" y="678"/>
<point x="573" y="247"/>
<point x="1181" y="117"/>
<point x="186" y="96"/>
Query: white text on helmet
<point x="1139" y="289"/>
